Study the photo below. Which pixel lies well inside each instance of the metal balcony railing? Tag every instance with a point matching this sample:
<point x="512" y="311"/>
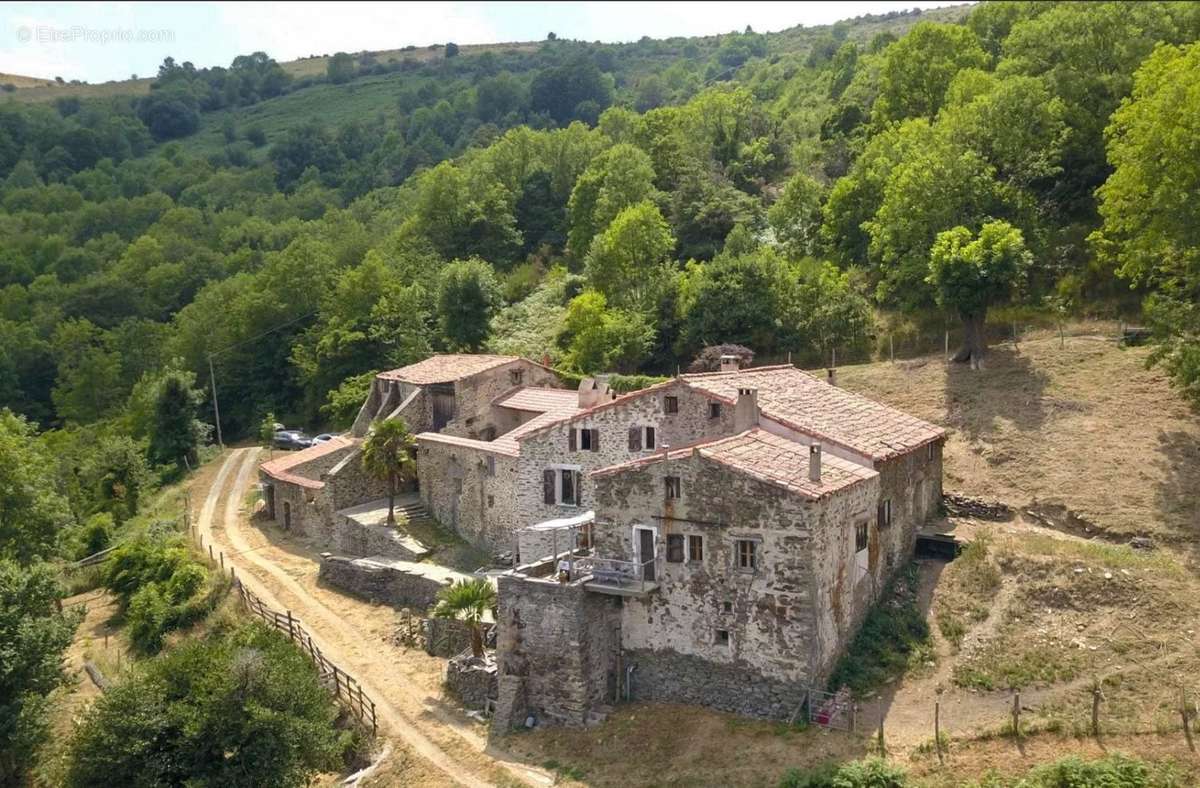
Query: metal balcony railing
<point x="618" y="573"/>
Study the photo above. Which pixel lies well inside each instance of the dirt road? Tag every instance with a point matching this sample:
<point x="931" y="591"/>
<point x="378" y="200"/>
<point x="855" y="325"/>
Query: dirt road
<point x="404" y="684"/>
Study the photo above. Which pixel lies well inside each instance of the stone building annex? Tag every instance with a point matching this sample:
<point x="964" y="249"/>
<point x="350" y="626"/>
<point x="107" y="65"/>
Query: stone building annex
<point x="714" y="539"/>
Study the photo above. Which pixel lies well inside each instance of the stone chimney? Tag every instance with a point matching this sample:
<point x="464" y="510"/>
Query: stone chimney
<point x="814" y="462"/>
<point x="590" y="393"/>
<point x="831" y="376"/>
<point x="745" y="411"/>
<point x="730" y="363"/>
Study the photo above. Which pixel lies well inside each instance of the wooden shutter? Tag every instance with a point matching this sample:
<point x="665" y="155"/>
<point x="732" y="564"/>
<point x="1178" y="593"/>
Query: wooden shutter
<point x="548" y="486"/>
<point x="595" y="439"/>
<point x="571" y="439"/>
<point x="635" y="438"/>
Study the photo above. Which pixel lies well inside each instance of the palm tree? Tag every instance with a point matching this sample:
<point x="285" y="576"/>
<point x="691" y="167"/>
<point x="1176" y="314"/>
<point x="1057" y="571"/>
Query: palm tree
<point x="387" y="455"/>
<point x="467" y="600"/>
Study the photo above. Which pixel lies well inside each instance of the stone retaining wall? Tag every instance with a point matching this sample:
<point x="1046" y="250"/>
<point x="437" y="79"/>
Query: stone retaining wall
<point x="396" y="583"/>
<point x="471" y="681"/>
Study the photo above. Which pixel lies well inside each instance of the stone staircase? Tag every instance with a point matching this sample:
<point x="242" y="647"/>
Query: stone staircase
<point x="412" y="510"/>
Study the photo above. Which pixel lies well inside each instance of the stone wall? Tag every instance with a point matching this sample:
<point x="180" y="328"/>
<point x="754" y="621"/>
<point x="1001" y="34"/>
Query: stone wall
<point x="710" y="609"/>
<point x="473" y="396"/>
<point x="550" y="447"/>
<point x="394" y="583"/>
<point x="309" y="509"/>
<point x="556" y="651"/>
<point x="471" y="681"/>
<point x="366" y="539"/>
<point x="670" y="677"/>
<point x="469" y="494"/>
<point x="913" y="483"/>
<point x="348" y="484"/>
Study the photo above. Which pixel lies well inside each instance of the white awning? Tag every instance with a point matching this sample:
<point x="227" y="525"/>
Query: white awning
<point x="565" y="522"/>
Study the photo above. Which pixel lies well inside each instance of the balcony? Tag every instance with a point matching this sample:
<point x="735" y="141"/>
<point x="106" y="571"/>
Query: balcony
<point x="619" y="578"/>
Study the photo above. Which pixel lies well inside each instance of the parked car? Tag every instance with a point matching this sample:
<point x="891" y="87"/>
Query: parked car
<point x="324" y="436"/>
<point x="292" y="439"/>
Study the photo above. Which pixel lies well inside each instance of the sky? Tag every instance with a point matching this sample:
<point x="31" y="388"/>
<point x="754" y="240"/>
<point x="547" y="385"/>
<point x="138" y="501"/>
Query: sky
<point x="98" y="42"/>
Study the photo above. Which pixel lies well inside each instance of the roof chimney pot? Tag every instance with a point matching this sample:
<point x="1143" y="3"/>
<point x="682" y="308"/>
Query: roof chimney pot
<point x="814" y="462"/>
<point x="730" y="363"/>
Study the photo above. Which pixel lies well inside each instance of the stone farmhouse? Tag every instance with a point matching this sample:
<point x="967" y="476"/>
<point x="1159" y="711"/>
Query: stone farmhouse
<point x="714" y="539"/>
<point x="740" y="524"/>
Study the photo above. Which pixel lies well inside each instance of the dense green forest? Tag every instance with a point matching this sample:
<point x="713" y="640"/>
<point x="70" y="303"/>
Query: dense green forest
<point x="615" y="207"/>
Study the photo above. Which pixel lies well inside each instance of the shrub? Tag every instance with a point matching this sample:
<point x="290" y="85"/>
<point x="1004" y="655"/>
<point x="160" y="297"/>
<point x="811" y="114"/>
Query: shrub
<point x="893" y="637"/>
<point x="869" y="773"/>
<point x="95" y="535"/>
<point x="242" y="709"/>
<point x="147" y="618"/>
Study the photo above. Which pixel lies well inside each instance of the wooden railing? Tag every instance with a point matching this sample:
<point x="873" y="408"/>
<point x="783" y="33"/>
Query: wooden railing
<point x="612" y="571"/>
<point x="346" y="689"/>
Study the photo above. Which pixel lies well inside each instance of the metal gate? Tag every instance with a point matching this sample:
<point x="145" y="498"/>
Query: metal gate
<point x="831" y="710"/>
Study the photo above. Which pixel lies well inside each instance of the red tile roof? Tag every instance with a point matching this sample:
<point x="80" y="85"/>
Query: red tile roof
<point x="540" y="400"/>
<point x="281" y="468"/>
<point x="446" y="368"/>
<point x="812" y="406"/>
<point x="766" y="457"/>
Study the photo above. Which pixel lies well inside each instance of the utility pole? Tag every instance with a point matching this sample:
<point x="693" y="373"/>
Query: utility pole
<point x="212" y="377"/>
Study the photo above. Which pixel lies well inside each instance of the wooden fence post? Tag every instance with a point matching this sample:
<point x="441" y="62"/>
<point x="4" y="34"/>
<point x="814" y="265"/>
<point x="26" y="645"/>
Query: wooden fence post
<point x="1097" y="696"/>
<point x="1016" y="714"/>
<point x="291" y="631"/>
<point x="1186" y="714"/>
<point x="937" y="728"/>
<point x="222" y="560"/>
<point x="210" y="553"/>
<point x="882" y="746"/>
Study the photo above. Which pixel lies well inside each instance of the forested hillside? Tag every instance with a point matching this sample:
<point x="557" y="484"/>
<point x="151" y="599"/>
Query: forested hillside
<point x="616" y="207"/>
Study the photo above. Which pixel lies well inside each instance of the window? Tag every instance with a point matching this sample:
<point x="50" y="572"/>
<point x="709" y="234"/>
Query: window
<point x="675" y="548"/>
<point x="746" y="552"/>
<point x="930" y="451"/>
<point x="569" y="488"/>
<point x="695" y="547"/>
<point x="560" y="486"/>
<point x="727" y="607"/>
<point x="649" y="443"/>
<point x="883" y="517"/>
<point x="722" y="637"/>
<point x="714" y="410"/>
<point x="674" y="488"/>
<point x="516" y="376"/>
<point x="860" y="536"/>
<point x="670" y="404"/>
<point x="491" y="466"/>
<point x="583" y="440"/>
<point x="641" y="437"/>
<point x="491" y="501"/>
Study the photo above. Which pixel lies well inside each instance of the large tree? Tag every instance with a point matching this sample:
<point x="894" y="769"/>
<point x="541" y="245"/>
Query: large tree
<point x="918" y="69"/>
<point x="1149" y="204"/>
<point x="468" y="295"/>
<point x="971" y="272"/>
<point x="626" y="260"/>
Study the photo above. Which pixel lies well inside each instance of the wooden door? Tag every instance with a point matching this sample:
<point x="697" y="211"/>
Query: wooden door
<point x="645" y="552"/>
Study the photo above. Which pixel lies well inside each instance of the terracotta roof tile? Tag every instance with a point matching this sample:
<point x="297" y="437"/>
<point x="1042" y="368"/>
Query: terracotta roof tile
<point x="446" y="368"/>
<point x="540" y="400"/>
<point x="812" y="406"/>
<point x="767" y="457"/>
<point x="281" y="468"/>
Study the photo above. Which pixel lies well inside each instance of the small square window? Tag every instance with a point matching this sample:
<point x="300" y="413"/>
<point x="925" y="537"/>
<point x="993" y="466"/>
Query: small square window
<point x="860" y="536"/>
<point x="714" y="410"/>
<point x="746" y="554"/>
<point x="516" y="376"/>
<point x="674" y="488"/>
<point x="695" y="546"/>
<point x="670" y="404"/>
<point x="722" y="637"/>
<point x="728" y="607"/>
<point x="674" y="548"/>
<point x="585" y="440"/>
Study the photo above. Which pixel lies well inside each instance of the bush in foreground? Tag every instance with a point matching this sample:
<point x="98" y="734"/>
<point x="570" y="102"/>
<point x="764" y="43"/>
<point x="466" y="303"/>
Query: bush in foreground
<point x="240" y="709"/>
